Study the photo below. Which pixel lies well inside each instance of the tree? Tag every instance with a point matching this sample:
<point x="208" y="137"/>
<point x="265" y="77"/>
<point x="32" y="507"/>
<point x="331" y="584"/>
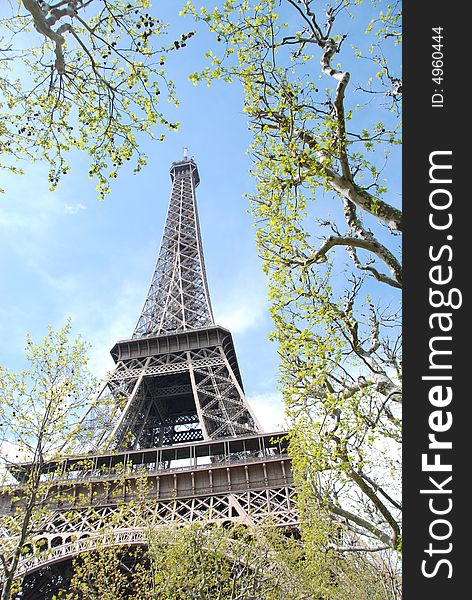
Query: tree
<point x="40" y="408"/>
<point x="194" y="561"/>
<point x="208" y="561"/>
<point x="325" y="143"/>
<point x="325" y="151"/>
<point x="110" y="573"/>
<point x="82" y="75"/>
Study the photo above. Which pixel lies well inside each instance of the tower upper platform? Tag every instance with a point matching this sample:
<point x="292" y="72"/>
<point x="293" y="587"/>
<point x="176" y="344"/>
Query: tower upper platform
<point x="182" y="167"/>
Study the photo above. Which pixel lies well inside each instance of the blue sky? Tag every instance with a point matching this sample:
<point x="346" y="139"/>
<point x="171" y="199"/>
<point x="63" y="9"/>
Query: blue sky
<point x="66" y="253"/>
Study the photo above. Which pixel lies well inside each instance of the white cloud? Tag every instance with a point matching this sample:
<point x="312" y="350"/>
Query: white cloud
<point x="244" y="305"/>
<point x="28" y="216"/>
<point x="241" y="316"/>
<point x="117" y="323"/>
<point x="269" y="410"/>
<point x="29" y="219"/>
<point x="10" y="452"/>
<point x="72" y="209"/>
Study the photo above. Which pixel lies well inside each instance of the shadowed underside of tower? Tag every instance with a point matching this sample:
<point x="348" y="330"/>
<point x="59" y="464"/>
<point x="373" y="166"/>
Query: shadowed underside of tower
<point x="174" y="409"/>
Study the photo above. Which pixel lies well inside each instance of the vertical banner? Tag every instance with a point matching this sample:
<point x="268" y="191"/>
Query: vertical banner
<point x="436" y="300"/>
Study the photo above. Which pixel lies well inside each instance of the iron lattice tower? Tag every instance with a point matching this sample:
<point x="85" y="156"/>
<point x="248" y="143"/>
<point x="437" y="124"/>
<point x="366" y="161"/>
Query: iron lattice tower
<point x="174" y="407"/>
<point x="177" y="379"/>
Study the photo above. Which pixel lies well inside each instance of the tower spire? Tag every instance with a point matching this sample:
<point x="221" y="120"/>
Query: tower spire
<point x="178" y="298"/>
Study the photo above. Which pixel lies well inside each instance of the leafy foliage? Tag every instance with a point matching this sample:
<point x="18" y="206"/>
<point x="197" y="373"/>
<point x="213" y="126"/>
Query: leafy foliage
<point x="208" y="562"/>
<point x="325" y="151"/>
<point x="40" y="408"/>
<point x="83" y="75"/>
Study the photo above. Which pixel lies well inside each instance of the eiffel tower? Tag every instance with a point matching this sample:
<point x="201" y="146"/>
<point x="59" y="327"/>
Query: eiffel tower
<point x="173" y="409"/>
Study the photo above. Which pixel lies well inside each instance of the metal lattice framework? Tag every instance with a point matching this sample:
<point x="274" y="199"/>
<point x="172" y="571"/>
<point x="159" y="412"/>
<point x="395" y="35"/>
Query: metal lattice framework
<point x="173" y="412"/>
<point x="156" y="396"/>
<point x="92" y="500"/>
<point x="178" y="297"/>
<point x="177" y="380"/>
<point x="68" y="534"/>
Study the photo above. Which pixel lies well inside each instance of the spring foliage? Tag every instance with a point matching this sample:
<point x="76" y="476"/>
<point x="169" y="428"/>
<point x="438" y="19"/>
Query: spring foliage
<point x="323" y="95"/>
<point x="40" y="409"/>
<point x="84" y="75"/>
<point x="208" y="562"/>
